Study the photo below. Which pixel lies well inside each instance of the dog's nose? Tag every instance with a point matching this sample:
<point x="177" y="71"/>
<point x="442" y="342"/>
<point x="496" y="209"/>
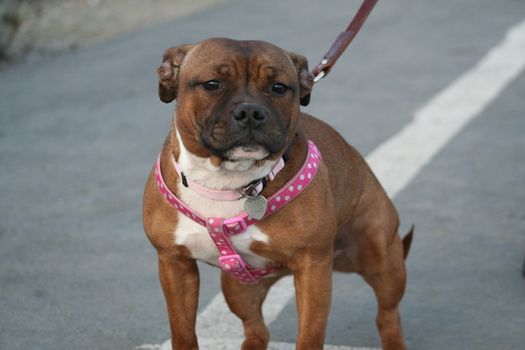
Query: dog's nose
<point x="249" y="114"/>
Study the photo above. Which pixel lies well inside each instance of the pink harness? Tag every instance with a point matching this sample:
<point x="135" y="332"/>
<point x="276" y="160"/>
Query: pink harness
<point x="220" y="229"/>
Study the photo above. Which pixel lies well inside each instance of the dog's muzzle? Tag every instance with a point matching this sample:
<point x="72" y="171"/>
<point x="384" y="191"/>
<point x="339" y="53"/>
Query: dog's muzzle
<point x="249" y="131"/>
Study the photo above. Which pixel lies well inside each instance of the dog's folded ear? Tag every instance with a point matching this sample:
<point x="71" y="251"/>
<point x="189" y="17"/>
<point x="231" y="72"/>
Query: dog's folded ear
<point x="168" y="72"/>
<point x="306" y="79"/>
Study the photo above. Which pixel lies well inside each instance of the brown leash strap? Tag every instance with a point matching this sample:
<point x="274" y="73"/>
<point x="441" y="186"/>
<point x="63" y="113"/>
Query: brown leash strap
<point x="342" y="41"/>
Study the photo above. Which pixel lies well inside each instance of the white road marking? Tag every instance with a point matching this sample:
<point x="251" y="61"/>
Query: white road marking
<point x="148" y="347"/>
<point x="217" y="312"/>
<point x="399" y="159"/>
<point x="395" y="162"/>
<point x="235" y="344"/>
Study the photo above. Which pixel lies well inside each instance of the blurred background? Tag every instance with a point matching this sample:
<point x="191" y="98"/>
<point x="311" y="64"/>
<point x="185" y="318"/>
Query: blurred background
<point x="32" y="28"/>
<point x="81" y="124"/>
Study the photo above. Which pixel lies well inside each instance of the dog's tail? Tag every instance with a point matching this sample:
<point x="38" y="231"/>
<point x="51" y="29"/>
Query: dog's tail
<point x="407" y="241"/>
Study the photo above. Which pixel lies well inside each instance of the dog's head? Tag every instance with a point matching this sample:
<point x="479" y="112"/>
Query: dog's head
<point x="235" y="99"/>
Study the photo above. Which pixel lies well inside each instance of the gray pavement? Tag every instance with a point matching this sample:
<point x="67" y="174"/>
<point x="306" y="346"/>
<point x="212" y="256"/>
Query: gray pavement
<point x="79" y="133"/>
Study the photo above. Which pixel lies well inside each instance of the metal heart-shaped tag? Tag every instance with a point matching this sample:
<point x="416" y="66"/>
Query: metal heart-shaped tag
<point x="255" y="206"/>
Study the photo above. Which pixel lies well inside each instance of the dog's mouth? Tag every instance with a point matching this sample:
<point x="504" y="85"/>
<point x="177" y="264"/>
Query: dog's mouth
<point x="253" y="146"/>
<point x="249" y="152"/>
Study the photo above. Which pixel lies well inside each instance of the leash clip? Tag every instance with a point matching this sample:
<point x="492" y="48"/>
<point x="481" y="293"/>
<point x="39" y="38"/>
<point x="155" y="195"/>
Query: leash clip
<point x="343" y="40"/>
<point x="319" y="76"/>
<point x="320" y="70"/>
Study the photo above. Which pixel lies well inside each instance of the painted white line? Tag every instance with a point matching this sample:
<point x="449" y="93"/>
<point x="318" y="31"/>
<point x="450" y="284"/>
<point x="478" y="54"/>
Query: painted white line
<point x="395" y="162"/>
<point x="149" y="347"/>
<point x="235" y="344"/>
<point x="217" y="312"/>
<point x="399" y="159"/>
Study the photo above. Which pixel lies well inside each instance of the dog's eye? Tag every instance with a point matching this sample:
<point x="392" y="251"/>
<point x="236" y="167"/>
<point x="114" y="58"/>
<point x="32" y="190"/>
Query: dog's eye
<point x="279" y="88"/>
<point x="212" y="85"/>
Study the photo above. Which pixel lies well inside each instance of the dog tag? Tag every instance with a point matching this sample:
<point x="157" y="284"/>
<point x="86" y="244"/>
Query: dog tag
<point x="256" y="206"/>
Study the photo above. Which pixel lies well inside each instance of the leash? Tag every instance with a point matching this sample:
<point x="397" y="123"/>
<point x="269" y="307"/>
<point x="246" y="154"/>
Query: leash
<point x="342" y="41"/>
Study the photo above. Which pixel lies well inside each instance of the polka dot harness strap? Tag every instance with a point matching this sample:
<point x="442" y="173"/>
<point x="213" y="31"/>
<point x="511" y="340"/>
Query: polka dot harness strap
<point x="220" y="229"/>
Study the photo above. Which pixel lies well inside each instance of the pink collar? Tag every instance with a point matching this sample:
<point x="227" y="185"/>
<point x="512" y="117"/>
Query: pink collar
<point x="252" y="189"/>
<point x="220" y="229"/>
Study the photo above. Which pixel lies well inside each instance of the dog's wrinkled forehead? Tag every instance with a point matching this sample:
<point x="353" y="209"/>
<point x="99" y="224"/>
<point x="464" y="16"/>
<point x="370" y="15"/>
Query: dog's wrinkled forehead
<point x="238" y="58"/>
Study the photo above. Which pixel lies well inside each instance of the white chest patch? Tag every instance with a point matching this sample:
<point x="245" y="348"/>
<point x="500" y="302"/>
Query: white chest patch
<point x="194" y="236"/>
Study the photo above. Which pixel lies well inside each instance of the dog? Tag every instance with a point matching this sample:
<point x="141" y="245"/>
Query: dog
<point x="247" y="182"/>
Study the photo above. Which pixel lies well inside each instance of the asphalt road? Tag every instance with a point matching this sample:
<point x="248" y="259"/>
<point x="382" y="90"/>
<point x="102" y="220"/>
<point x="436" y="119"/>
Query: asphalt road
<point x="79" y="133"/>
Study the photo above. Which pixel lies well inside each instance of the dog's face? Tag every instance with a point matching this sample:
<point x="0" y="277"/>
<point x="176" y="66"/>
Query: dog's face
<point x="235" y="99"/>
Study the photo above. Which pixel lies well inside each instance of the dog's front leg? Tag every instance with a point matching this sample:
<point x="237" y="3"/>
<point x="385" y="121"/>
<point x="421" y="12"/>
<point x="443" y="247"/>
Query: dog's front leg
<point x="313" y="290"/>
<point x="245" y="301"/>
<point x="179" y="278"/>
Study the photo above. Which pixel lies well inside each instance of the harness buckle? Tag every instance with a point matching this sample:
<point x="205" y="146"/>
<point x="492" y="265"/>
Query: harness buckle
<point x="234" y="226"/>
<point x="231" y="263"/>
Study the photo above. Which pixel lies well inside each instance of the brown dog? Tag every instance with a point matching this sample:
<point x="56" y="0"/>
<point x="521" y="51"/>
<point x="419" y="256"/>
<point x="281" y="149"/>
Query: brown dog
<point x="237" y="114"/>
